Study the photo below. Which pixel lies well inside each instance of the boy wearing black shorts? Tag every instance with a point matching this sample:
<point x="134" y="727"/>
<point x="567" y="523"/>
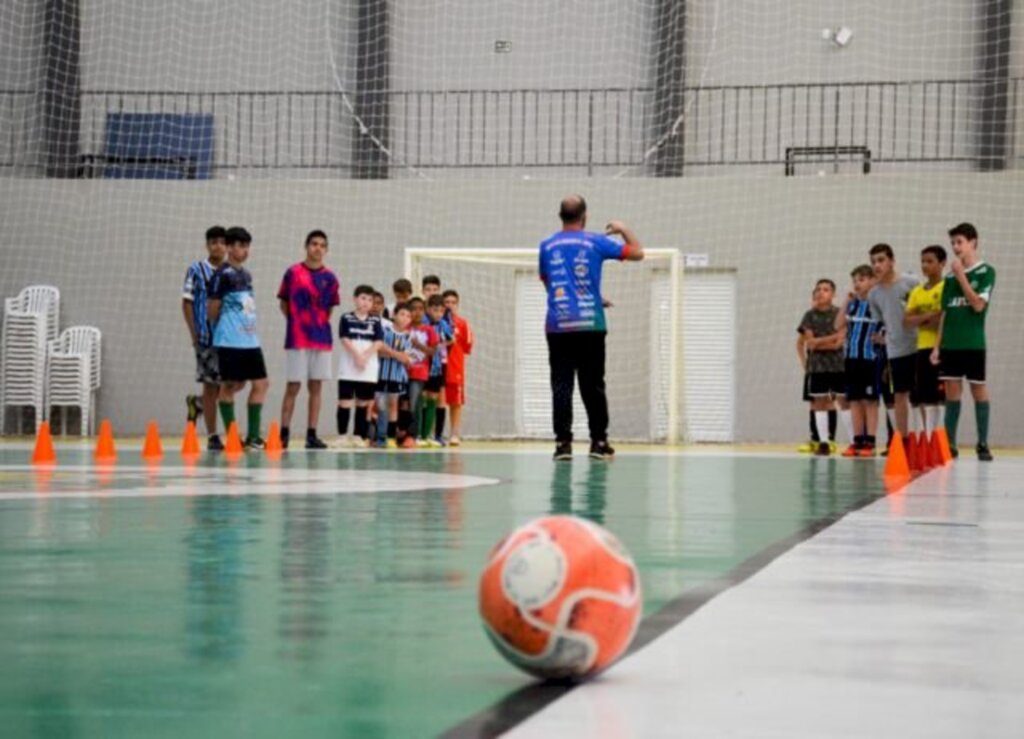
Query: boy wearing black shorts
<point x="924" y="309"/>
<point x="860" y="364"/>
<point x="824" y="344"/>
<point x="232" y="310"/>
<point x="961" y="346"/>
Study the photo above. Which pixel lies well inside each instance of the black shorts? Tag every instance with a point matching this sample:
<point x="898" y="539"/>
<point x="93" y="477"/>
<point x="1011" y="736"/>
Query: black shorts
<point x="348" y="389"/>
<point x="207" y="371"/>
<point x="861" y="379"/>
<point x="392" y="387"/>
<point x="884" y="379"/>
<point x="902" y="371"/>
<point x="956" y="364"/>
<point x="241" y="365"/>
<point x="435" y="384"/>
<point x="927" y="385"/>
<point x="807" y="387"/>
<point x="827" y="384"/>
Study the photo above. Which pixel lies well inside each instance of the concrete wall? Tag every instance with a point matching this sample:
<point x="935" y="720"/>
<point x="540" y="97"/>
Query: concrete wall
<point x="118" y="251"/>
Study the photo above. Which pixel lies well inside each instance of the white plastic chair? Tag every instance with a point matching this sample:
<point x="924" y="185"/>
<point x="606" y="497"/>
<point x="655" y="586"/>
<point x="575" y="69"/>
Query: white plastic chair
<point x="30" y="321"/>
<point x="73" y="372"/>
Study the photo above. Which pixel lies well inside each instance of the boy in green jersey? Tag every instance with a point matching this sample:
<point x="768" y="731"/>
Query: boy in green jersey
<point x="960" y="350"/>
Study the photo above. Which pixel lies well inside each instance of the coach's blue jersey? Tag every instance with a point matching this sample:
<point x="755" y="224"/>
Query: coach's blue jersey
<point x="860" y="330"/>
<point x="196" y="290"/>
<point x="236" y="324"/>
<point x="570" y="266"/>
<point x="391" y="369"/>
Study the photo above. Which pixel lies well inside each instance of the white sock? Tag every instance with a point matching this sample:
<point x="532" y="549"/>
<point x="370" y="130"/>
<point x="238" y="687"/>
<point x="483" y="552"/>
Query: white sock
<point x="934" y="415"/>
<point x="846" y="418"/>
<point x="821" y="421"/>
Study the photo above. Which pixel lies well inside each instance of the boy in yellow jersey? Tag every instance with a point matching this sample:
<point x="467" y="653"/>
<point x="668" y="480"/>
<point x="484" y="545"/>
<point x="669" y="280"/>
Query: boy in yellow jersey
<point x="961" y="347"/>
<point x="924" y="309"/>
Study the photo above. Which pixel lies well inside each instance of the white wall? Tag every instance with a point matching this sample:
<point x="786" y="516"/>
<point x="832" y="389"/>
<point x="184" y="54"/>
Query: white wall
<point x="118" y="251"/>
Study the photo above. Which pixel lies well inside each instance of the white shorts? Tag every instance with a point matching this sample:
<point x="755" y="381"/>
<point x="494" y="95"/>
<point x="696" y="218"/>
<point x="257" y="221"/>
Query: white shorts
<point x="307" y="364"/>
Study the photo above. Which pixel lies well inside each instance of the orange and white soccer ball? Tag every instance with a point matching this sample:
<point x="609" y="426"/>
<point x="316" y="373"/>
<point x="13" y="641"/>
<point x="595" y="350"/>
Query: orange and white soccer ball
<point x="560" y="598"/>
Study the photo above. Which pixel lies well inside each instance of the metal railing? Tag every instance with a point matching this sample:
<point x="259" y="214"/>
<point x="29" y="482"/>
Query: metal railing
<point x="925" y="122"/>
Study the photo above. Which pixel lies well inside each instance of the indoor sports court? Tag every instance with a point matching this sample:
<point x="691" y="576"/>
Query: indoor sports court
<point x="462" y="368"/>
<point x="336" y="594"/>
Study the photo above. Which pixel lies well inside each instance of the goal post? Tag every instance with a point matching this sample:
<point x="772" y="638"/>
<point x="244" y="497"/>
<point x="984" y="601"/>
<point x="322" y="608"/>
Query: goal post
<point x="507" y="376"/>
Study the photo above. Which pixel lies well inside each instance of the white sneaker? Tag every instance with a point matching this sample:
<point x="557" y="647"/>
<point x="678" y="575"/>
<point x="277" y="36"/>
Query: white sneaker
<point x="339" y="442"/>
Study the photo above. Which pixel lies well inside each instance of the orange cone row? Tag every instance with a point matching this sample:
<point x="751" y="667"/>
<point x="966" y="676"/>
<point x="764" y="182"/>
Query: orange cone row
<point x="919" y="454"/>
<point x="43" y="453"/>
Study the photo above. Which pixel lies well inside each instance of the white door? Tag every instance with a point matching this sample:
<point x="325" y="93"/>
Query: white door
<point x="709" y="355"/>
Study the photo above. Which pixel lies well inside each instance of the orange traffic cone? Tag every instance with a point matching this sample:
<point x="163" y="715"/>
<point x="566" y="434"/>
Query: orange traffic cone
<point x="944" y="451"/>
<point x="912" y="451"/>
<point x="105" y="451"/>
<point x="274" y="439"/>
<point x="152" y="449"/>
<point x="190" y="444"/>
<point x="233" y="444"/>
<point x="896" y="464"/>
<point x="44" y="452"/>
<point x="929" y="461"/>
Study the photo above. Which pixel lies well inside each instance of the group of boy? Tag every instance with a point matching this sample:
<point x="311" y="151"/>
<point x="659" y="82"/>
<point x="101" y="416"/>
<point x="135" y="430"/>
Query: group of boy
<point x="905" y="341"/>
<point x="400" y="370"/>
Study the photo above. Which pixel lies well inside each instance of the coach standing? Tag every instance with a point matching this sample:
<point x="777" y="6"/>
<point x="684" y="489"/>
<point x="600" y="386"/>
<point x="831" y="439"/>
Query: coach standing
<point x="570" y="267"/>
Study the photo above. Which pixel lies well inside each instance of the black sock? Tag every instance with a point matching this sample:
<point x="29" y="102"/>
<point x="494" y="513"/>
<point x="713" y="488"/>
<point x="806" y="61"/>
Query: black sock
<point x="441" y="414"/>
<point x="869" y="440"/>
<point x="343" y="420"/>
<point x="285" y="433"/>
<point x="392" y="429"/>
<point x="833" y="419"/>
<point x="310" y="433"/>
<point x="360" y="421"/>
<point x="404" y="421"/>
<point x="814" y="427"/>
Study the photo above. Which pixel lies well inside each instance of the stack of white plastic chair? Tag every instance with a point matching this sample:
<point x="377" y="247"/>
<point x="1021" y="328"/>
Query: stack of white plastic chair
<point x="30" y="321"/>
<point x="73" y="373"/>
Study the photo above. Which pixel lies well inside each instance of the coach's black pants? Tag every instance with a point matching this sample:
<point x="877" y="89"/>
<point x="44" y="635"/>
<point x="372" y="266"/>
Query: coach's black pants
<point x="578" y="354"/>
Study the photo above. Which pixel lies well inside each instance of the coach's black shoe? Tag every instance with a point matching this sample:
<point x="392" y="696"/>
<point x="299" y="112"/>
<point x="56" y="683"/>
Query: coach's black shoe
<point x="214" y="444"/>
<point x="314" y="442"/>
<point x="255" y="442"/>
<point x="563" y="451"/>
<point x="601" y="450"/>
<point x="192" y="404"/>
<point x="984" y="454"/>
<point x="286" y="436"/>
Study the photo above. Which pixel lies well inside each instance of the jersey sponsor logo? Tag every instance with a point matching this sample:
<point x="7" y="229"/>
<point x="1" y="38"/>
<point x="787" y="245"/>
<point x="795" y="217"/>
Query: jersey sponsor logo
<point x="581" y="270"/>
<point x="557" y="258"/>
<point x="560" y="295"/>
<point x="958" y="303"/>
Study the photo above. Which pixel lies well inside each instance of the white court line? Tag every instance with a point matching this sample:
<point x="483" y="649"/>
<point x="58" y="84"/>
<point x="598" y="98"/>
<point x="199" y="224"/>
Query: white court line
<point x="876" y="627"/>
<point x="88" y="481"/>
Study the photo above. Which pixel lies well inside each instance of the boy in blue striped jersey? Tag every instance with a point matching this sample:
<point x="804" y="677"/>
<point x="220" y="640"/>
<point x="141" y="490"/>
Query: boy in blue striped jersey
<point x="861" y="361"/>
<point x="394" y="375"/>
<point x="193" y="307"/>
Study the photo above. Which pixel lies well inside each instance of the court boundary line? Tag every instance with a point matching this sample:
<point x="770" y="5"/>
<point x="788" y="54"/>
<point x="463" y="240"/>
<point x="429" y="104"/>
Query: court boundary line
<point x="518" y="706"/>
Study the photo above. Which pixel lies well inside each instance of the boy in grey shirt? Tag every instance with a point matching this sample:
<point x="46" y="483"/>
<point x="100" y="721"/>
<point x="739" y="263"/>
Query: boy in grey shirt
<point x="888" y="301"/>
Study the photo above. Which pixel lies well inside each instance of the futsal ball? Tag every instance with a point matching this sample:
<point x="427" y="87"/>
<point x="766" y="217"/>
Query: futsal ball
<point x="560" y="598"/>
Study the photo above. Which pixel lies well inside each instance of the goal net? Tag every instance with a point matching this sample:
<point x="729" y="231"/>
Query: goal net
<point x="771" y="143"/>
<point x="507" y="375"/>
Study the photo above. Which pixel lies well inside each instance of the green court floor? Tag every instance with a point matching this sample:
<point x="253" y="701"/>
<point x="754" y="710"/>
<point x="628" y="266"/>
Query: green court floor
<point x="225" y="600"/>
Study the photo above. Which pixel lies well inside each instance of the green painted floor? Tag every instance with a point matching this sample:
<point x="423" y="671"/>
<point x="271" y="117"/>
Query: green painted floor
<point x="228" y="614"/>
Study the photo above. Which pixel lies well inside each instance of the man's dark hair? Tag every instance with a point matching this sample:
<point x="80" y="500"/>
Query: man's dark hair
<point x="401" y="307"/>
<point x="237" y="235"/>
<point x="449" y="293"/>
<point x="572" y="209"/>
<point x="826" y="281"/>
<point x="862" y="270"/>
<point x="363" y="290"/>
<point x="402" y="286"/>
<point x="415" y="301"/>
<point x="314" y="234"/>
<point x="882" y="249"/>
<point x="214" y="233"/>
<point x="937" y="251"/>
<point x="431" y="280"/>
<point x="435" y="300"/>
<point x="967" y="230"/>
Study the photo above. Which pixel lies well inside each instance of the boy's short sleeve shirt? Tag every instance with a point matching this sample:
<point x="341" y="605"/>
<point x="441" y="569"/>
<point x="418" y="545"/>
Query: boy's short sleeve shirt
<point x="570" y="264"/>
<point x="420" y="369"/>
<point x="822" y="323"/>
<point x="363" y="333"/>
<point x="888" y="305"/>
<point x="860" y="330"/>
<point x="236" y="324"/>
<point x="924" y="299"/>
<point x="310" y="294"/>
<point x="196" y="290"/>
<point x="963" y="328"/>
